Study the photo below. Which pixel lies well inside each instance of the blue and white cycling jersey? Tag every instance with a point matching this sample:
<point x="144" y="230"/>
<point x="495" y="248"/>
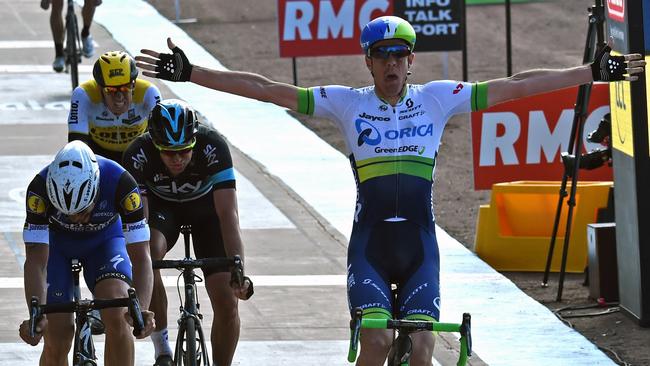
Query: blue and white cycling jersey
<point x="393" y="149"/>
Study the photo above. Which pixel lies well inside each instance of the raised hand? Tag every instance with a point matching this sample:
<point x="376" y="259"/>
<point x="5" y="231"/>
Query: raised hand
<point x="607" y="67"/>
<point x="167" y="66"/>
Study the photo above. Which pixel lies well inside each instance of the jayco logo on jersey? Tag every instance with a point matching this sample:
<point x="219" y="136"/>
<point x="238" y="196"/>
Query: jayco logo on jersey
<point x="370" y="135"/>
<point x="374" y="118"/>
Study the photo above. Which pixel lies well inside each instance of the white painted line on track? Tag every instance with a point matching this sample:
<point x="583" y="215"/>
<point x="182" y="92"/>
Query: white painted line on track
<point x="260" y="281"/>
<point x="26" y="44"/>
<point x="15" y="69"/>
<point x="249" y="353"/>
<point x="30" y="44"/>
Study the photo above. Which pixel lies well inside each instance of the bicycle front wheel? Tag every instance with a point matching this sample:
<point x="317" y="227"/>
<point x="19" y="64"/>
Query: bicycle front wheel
<point x="186" y="351"/>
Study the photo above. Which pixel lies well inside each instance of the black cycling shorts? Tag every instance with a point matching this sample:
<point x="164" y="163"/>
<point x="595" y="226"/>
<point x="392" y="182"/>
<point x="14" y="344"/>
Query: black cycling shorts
<point x="167" y="217"/>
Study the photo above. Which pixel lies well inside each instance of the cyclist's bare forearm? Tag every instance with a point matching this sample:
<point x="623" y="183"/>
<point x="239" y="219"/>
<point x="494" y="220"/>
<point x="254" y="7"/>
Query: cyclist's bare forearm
<point x="225" y="203"/>
<point x="35" y="271"/>
<point x="248" y="85"/>
<point x="534" y="82"/>
<point x="142" y="272"/>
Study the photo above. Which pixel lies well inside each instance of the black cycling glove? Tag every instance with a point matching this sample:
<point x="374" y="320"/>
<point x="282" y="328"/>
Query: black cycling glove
<point x="607" y="67"/>
<point x="174" y="66"/>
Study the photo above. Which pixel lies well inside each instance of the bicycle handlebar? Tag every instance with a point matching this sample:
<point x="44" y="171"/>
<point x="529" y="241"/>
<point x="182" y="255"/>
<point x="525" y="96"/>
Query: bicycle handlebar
<point x="235" y="264"/>
<point x="37" y="310"/>
<point x="464" y="328"/>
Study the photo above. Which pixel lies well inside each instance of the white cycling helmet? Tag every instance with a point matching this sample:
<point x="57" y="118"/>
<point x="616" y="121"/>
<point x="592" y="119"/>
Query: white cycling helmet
<point x="73" y="178"/>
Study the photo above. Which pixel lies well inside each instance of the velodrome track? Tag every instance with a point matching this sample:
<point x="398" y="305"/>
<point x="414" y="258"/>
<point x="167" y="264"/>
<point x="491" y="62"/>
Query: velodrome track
<point x="296" y="196"/>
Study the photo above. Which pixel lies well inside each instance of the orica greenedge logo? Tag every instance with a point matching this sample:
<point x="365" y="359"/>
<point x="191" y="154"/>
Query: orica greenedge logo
<point x="370" y="135"/>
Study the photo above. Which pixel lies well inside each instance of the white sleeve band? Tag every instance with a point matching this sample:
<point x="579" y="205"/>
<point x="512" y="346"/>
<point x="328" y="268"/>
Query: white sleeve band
<point x="136" y="232"/>
<point x="36" y="234"/>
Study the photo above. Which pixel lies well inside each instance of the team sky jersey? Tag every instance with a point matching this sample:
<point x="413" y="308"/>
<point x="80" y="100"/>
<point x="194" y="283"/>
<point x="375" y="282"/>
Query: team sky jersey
<point x="210" y="168"/>
<point x="393" y="150"/>
<point x="107" y="134"/>
<point x="118" y="208"/>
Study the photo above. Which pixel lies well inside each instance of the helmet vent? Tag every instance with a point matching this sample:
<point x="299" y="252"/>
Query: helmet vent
<point x="64" y="163"/>
<point x="77" y="164"/>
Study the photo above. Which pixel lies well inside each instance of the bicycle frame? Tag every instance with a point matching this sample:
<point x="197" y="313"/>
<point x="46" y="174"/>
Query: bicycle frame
<point x="403" y="341"/>
<point x="84" y="348"/>
<point x="190" y="317"/>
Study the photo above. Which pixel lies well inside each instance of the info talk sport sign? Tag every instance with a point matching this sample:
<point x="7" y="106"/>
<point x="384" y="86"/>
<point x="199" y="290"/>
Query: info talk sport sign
<point x="333" y="27"/>
<point x="523" y="139"/>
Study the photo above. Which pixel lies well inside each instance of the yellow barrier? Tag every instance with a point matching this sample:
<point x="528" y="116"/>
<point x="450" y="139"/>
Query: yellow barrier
<point x="514" y="230"/>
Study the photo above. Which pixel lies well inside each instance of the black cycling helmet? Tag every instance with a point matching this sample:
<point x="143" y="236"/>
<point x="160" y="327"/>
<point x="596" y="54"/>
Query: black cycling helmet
<point x="114" y="68"/>
<point x="173" y="125"/>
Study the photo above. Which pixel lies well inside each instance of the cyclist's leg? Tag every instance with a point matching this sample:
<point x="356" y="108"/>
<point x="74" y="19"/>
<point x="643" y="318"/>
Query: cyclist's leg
<point x="419" y="296"/>
<point x="58" y="34"/>
<point x="60" y="329"/>
<point x="369" y="290"/>
<point x="164" y="233"/>
<point x="208" y="242"/>
<point x="108" y="274"/>
<point x="87" y="13"/>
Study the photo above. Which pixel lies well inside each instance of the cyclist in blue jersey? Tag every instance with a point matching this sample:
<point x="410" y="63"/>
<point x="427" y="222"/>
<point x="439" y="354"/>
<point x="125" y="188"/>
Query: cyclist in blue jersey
<point x="86" y="207"/>
<point x="392" y="131"/>
<point x="185" y="172"/>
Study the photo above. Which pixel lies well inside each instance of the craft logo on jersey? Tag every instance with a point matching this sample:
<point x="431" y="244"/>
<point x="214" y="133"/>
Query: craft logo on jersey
<point x="132" y="202"/>
<point x="35" y="204"/>
<point x="115" y="73"/>
<point x="616" y="9"/>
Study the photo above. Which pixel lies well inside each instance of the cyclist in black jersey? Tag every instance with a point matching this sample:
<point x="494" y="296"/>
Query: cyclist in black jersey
<point x="185" y="172"/>
<point x="392" y="131"/>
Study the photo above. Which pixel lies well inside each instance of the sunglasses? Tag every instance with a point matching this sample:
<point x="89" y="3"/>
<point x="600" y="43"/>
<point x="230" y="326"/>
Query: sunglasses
<point x="117" y="89"/>
<point x="176" y="150"/>
<point x="384" y="52"/>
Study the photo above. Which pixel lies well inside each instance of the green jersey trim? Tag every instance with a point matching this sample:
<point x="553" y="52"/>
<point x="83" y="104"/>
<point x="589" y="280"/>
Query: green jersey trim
<point x="377" y="313"/>
<point x="305" y="101"/>
<point x="479" y="96"/>
<point x="407" y="164"/>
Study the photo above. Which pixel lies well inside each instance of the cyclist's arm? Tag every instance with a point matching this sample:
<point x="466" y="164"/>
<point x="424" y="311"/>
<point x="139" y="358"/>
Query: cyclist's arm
<point x="248" y="85"/>
<point x="225" y="204"/>
<point x="142" y="271"/>
<point x="136" y="233"/>
<point x="533" y="82"/>
<point x="35" y="268"/>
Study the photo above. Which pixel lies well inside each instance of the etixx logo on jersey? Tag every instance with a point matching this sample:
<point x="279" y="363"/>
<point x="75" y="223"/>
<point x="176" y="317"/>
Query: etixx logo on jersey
<point x="115" y="73"/>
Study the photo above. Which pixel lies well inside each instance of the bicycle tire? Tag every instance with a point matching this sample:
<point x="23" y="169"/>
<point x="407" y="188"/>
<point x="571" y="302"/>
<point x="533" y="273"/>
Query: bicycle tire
<point x="72" y="48"/>
<point x="186" y="352"/>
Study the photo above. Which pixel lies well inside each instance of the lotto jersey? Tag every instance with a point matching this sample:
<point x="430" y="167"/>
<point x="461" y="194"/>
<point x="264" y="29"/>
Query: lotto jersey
<point x="118" y="208"/>
<point x="393" y="149"/>
<point x="210" y="168"/>
<point x="107" y="134"/>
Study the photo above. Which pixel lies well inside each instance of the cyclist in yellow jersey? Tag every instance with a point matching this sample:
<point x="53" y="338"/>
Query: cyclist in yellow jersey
<point x="392" y="131"/>
<point x="111" y="110"/>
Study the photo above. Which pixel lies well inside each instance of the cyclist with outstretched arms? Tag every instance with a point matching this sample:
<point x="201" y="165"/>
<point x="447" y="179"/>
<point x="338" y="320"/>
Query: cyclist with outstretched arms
<point x="110" y="110"/>
<point x="185" y="172"/>
<point x="392" y="131"/>
<point x="85" y="207"/>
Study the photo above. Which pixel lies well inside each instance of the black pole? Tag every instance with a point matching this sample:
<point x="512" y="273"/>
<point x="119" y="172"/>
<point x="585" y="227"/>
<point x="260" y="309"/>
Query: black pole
<point x="464" y="38"/>
<point x="508" y="39"/>
<point x="295" y="71"/>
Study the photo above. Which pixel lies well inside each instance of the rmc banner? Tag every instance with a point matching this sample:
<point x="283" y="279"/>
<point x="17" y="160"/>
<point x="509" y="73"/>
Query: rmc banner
<point x="333" y="27"/>
<point x="523" y="139"/>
